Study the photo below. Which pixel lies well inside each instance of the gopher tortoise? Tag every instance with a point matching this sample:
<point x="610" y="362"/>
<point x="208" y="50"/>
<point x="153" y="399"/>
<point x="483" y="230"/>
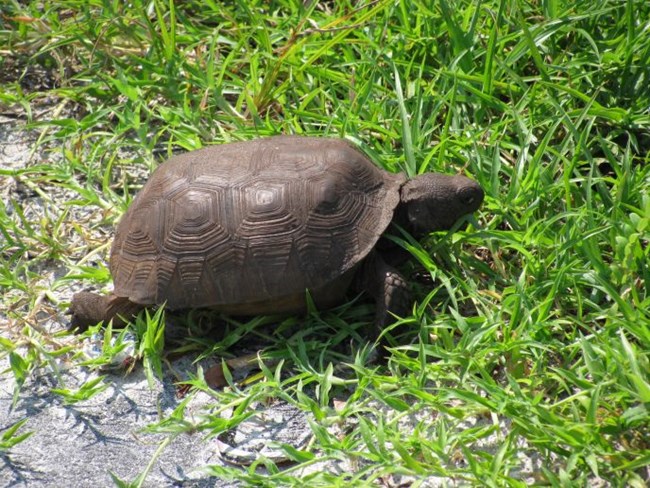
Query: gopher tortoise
<point x="248" y="228"/>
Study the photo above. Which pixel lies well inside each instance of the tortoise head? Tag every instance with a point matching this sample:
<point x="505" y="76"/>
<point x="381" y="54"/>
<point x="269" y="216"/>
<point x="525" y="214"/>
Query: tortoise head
<point x="433" y="201"/>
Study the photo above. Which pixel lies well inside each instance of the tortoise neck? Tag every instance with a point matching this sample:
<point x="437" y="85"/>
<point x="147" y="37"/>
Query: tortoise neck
<point x="400" y="217"/>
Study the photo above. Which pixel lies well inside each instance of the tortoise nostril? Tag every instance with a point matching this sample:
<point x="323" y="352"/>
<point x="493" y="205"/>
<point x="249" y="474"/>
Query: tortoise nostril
<point x="467" y="197"/>
<point x="471" y="195"/>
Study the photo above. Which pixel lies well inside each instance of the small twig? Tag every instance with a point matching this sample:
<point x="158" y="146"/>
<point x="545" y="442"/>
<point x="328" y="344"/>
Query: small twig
<point x="315" y="29"/>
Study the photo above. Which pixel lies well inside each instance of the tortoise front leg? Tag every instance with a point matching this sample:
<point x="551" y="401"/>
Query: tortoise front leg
<point x="389" y="289"/>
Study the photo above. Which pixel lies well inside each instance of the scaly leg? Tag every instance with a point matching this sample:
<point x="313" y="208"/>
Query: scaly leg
<point x="389" y="289"/>
<point x="89" y="309"/>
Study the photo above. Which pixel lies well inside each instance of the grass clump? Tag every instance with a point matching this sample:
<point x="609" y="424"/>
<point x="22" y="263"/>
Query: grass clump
<point x="532" y="337"/>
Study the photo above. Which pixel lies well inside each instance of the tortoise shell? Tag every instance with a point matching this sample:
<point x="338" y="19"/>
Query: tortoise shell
<point x="250" y="226"/>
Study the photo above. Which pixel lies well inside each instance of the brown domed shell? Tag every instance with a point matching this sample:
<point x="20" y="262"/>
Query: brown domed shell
<point x="251" y="221"/>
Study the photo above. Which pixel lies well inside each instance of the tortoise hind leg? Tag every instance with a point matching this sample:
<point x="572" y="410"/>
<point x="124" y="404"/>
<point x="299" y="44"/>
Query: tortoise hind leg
<point x="389" y="289"/>
<point x="88" y="309"/>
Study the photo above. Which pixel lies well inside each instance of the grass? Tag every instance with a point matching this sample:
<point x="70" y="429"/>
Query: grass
<point x="537" y="319"/>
